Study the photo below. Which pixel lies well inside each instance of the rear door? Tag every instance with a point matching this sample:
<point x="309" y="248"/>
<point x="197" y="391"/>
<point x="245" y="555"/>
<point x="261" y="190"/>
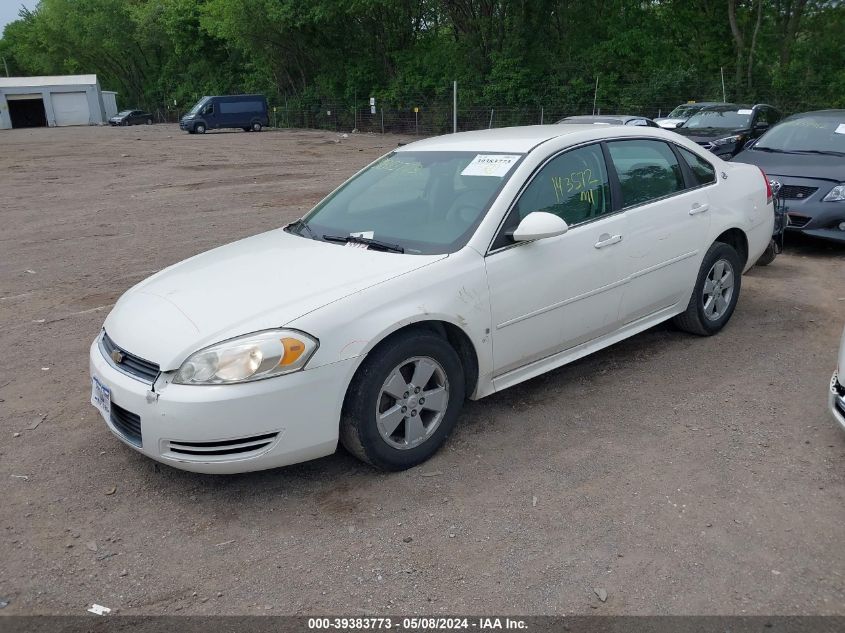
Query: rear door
<point x="668" y="221"/>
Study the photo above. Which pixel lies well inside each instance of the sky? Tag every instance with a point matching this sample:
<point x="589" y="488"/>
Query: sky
<point x="9" y="10"/>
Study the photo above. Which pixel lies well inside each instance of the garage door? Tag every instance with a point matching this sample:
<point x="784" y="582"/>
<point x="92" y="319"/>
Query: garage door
<point x="71" y="108"/>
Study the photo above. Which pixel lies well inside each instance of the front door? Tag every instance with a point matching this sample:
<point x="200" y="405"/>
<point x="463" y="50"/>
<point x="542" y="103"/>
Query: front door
<point x="554" y="294"/>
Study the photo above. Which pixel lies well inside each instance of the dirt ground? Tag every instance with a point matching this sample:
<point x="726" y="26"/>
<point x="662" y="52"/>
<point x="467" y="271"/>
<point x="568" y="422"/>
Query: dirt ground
<point x="682" y="475"/>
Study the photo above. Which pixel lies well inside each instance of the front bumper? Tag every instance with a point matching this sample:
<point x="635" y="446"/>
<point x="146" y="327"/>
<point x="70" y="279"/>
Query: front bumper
<point x="837" y="400"/>
<point x="227" y="428"/>
<point x="807" y="213"/>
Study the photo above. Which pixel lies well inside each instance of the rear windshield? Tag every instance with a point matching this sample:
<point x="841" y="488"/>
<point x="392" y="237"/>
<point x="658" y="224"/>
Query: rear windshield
<point x="683" y="112"/>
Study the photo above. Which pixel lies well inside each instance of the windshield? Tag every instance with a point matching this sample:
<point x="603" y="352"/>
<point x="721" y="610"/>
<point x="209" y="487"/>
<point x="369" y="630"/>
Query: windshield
<point x="809" y="133"/>
<point x="124" y="112"/>
<point x="720" y="119"/>
<point x="423" y="202"/>
<point x="683" y="112"/>
<point x="198" y="106"/>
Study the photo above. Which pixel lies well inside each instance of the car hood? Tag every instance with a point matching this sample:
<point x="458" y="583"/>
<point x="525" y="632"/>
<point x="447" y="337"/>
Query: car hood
<point x="258" y="283"/>
<point x="702" y="135"/>
<point x="822" y="166"/>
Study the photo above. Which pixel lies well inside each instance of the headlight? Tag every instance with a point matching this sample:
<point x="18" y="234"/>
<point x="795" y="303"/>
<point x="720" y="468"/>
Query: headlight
<point x="836" y="194"/>
<point x="246" y="358"/>
<point x="727" y="140"/>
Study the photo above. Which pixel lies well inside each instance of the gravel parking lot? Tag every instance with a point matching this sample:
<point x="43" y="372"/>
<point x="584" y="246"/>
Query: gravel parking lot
<point x="682" y="475"/>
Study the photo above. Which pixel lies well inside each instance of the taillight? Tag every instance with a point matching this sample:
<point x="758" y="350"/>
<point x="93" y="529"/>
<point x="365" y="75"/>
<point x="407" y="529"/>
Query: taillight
<point x="769" y="195"/>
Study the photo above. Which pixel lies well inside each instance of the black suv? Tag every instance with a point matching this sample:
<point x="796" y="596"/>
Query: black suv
<point x="725" y="129"/>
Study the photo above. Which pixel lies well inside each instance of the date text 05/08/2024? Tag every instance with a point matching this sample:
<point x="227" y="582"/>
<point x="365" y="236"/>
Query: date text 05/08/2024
<point x="417" y="623"/>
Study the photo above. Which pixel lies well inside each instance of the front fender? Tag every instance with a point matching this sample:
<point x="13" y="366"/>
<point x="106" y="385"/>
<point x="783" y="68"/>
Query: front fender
<point x="452" y="290"/>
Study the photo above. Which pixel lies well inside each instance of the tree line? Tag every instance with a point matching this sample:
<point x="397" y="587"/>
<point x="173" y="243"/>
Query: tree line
<point x="164" y="54"/>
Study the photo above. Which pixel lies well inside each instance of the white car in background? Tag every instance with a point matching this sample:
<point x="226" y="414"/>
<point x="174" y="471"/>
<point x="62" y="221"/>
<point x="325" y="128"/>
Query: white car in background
<point x="452" y="267"/>
<point x="837" y="386"/>
<point x="682" y="113"/>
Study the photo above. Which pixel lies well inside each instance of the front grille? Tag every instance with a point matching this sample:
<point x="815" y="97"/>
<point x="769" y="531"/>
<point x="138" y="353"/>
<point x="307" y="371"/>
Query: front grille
<point x="236" y="446"/>
<point x="797" y="221"/>
<point x="127" y="423"/>
<point x="129" y="363"/>
<point x="794" y="192"/>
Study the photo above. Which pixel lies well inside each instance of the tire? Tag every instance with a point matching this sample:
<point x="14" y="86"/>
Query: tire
<point x="768" y="255"/>
<point x="199" y="128"/>
<point x="707" y="318"/>
<point x="420" y="429"/>
<point x="149" y="121"/>
<point x="256" y="126"/>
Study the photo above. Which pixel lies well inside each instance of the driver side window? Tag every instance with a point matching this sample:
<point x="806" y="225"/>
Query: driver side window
<point x="573" y="186"/>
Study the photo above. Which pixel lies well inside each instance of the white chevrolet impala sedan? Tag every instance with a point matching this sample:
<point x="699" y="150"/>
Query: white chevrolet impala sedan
<point x="452" y="267"/>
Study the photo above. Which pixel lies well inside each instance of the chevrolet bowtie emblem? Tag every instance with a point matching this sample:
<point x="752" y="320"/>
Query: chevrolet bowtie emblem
<point x="117" y="356"/>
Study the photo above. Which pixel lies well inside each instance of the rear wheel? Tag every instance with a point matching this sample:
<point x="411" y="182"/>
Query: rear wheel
<point x="149" y="121"/>
<point x="716" y="292"/>
<point x="256" y="126"/>
<point x="403" y="402"/>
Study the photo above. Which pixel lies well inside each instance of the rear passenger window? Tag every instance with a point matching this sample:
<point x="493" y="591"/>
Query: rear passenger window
<point x="703" y="172"/>
<point x="647" y="170"/>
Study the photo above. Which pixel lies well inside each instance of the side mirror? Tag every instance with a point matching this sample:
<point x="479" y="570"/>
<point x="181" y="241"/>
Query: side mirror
<point x="539" y="225"/>
<point x="760" y="127"/>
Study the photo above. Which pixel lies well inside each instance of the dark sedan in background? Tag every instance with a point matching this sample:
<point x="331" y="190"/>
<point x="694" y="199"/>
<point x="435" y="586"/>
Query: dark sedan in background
<point x="806" y="155"/>
<point x="726" y="128"/>
<point x="131" y="117"/>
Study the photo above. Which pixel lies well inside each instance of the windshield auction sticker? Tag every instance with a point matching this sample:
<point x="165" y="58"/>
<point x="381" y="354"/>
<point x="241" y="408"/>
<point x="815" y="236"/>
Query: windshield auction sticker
<point x="840" y="129"/>
<point x="490" y="165"/>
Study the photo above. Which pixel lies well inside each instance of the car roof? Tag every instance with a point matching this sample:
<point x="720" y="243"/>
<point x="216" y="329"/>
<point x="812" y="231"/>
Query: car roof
<point x="523" y="139"/>
<point x="830" y="113"/>
<point x="602" y="117"/>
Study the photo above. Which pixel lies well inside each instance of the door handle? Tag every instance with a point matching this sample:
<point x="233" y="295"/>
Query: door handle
<point x="607" y="240"/>
<point x="698" y="208"/>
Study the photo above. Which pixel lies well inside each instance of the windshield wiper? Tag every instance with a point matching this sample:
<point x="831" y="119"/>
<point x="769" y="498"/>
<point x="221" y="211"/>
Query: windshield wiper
<point x="301" y="224"/>
<point x="828" y="152"/>
<point x="372" y="243"/>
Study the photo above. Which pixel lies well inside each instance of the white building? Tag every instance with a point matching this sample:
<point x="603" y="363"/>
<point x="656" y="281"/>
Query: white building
<point x="52" y="101"/>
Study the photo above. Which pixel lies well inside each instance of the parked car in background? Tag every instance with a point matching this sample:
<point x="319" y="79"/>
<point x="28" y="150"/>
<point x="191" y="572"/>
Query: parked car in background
<point x="131" y="117"/>
<point x="454" y="266"/>
<point x="805" y="154"/>
<point x="837" y="386"/>
<point x="247" y="112"/>
<point x="608" y="119"/>
<point x="682" y="113"/>
<point x="725" y="129"/>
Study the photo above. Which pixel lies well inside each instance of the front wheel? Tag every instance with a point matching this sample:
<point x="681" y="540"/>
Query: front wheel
<point x="715" y="294"/>
<point x="199" y="128"/>
<point x="403" y="402"/>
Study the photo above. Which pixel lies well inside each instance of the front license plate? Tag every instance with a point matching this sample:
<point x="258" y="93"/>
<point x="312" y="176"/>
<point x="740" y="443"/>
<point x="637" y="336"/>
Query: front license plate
<point x="101" y="397"/>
